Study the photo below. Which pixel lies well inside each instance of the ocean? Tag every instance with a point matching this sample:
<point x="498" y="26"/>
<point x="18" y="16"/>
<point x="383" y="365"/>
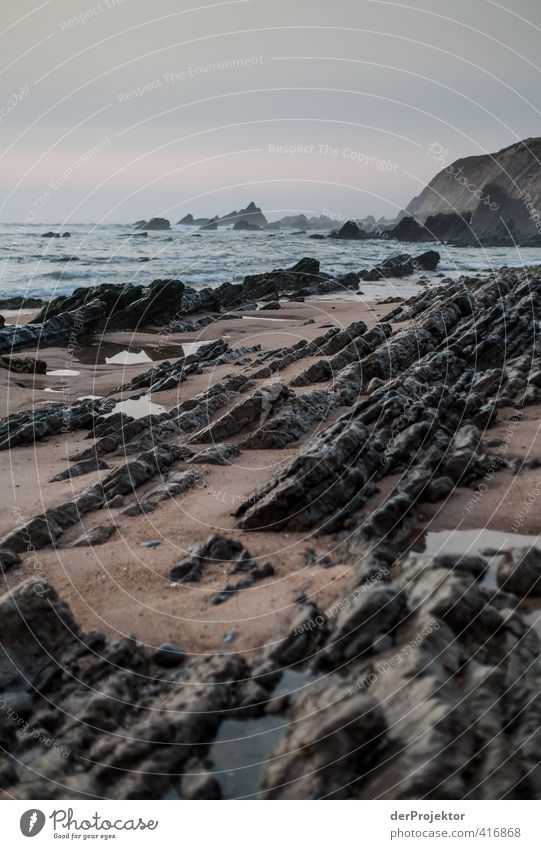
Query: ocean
<point x="96" y="253"/>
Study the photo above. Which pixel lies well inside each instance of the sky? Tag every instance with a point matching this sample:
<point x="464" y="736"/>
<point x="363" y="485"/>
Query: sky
<point x="121" y="109"/>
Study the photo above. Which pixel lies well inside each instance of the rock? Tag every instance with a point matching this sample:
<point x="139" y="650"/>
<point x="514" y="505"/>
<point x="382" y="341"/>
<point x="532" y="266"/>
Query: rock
<point x="292" y="419"/>
<point x="190" y="221"/>
<point x="393" y="315"/>
<point x="428" y="261"/>
<point x="30" y="426"/>
<point x="57" y="331"/>
<point x="218" y="455"/>
<point x="18" y="702"/>
<point x="251" y="215"/>
<point x="519" y="572"/>
<point x="471" y="563"/>
<point x="374" y="611"/>
<point x="304" y="273"/>
<point x="8" y="559"/>
<point x="29" y="651"/>
<point x="438" y="488"/>
<point x="176" y="483"/>
<point x="307" y="631"/>
<point x="215" y="549"/>
<point x="153" y="224"/>
<point x="23" y="365"/>
<point x="402" y="265"/>
<point x="83" y="468"/>
<point x="21" y="302"/>
<point x="257" y="407"/>
<point x="348" y="384"/>
<point x="349" y="230"/>
<point x="375" y="383"/>
<point x="95" y="536"/>
<point x="329" y="757"/>
<point x="198" y="783"/>
<point x="318" y="372"/>
<point x="333" y="467"/>
<point x="47" y="527"/>
<point x="169" y="655"/>
<point x="160" y="299"/>
<point x="272" y="305"/>
<point x="242" y="224"/>
<point x="129" y="476"/>
<point x="256" y="572"/>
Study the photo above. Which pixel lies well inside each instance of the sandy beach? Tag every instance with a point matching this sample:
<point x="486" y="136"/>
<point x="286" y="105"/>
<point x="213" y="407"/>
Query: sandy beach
<point x="122" y="586"/>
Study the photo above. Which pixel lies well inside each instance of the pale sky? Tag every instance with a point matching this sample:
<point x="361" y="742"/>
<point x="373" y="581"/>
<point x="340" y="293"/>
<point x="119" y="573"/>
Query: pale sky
<point x="123" y="109"/>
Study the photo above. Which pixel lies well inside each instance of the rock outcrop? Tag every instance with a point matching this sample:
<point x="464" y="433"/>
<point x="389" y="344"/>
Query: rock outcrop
<point x="153" y="224"/>
<point x="499" y="192"/>
<point x="350" y="230"/>
<point x="419" y="680"/>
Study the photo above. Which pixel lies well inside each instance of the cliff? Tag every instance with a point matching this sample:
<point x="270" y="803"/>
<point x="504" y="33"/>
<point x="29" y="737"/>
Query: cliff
<point x="501" y="191"/>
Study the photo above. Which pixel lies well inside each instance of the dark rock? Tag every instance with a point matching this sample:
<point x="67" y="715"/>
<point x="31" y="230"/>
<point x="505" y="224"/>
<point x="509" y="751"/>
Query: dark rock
<point x="82" y="468"/>
<point x="169" y="655"/>
<point x="218" y="455"/>
<point x="330" y="757"/>
<point x="438" y="488"/>
<point x="153" y="224"/>
<point x="251" y="214"/>
<point x="472" y="563"/>
<point x="427" y="261"/>
<point x="8" y="559"/>
<point x="23" y="365"/>
<point x="292" y="419"/>
<point x="374" y="612"/>
<point x="216" y="549"/>
<point x="28" y="651"/>
<point x="17" y="704"/>
<point x="519" y="572"/>
<point x="257" y="407"/>
<point x="20" y="302"/>
<point x="95" y="536"/>
<point x="242" y="224"/>
<point x="257" y="572"/>
<point x="350" y="230"/>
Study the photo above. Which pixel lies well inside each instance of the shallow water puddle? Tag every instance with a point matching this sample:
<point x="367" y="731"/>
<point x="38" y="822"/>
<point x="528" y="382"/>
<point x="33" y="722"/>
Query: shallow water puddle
<point x="243" y="746"/>
<point x="491" y="545"/>
<point x="62" y="372"/>
<point x="137" y="408"/>
<point x="128" y="358"/>
<point x="261" y="318"/>
<point x="191" y="347"/>
<point x="99" y="352"/>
